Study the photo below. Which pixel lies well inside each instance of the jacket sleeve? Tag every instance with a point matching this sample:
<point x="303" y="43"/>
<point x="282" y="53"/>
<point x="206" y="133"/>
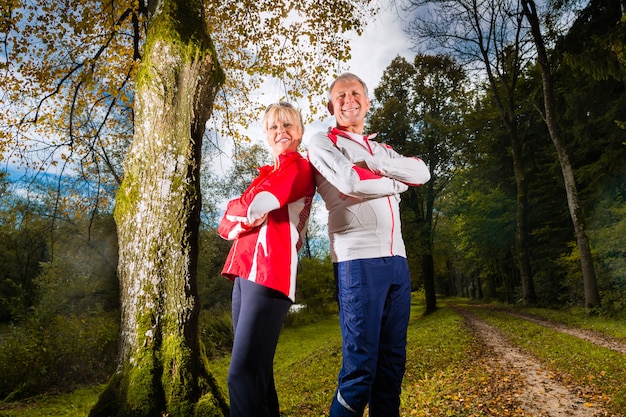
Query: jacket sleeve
<point x="349" y="178"/>
<point x="292" y="181"/>
<point x="234" y="222"/>
<point x="388" y="163"/>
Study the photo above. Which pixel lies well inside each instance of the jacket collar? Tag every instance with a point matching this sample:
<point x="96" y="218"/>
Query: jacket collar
<point x="334" y="132"/>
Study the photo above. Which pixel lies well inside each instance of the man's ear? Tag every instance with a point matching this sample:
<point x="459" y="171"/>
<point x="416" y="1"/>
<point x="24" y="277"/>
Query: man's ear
<point x="330" y="108"/>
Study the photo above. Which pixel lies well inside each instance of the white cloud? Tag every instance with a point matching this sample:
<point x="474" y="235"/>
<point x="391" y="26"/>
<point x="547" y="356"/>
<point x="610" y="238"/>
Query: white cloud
<point x="381" y="42"/>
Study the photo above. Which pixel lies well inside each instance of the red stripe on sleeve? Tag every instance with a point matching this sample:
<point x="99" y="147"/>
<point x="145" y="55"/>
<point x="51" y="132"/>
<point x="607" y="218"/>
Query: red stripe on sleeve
<point x="365" y="174"/>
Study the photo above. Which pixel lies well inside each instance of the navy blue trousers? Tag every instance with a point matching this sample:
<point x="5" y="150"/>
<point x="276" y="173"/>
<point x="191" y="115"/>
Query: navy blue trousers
<point x="374" y="307"/>
<point x="258" y="315"/>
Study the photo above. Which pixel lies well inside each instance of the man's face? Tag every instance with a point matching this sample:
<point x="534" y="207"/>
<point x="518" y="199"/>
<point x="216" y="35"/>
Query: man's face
<point x="349" y="104"/>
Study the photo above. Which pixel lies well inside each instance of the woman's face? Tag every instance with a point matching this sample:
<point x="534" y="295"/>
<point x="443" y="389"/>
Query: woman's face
<point x="283" y="135"/>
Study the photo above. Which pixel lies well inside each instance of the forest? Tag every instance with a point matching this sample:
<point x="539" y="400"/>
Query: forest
<point x="520" y="117"/>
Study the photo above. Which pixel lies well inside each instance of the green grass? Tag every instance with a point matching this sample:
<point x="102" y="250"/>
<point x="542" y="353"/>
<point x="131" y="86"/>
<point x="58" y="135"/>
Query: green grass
<point x="306" y="364"/>
<point x="580" y="318"/>
<point x="442" y="371"/>
<point x="75" y="404"/>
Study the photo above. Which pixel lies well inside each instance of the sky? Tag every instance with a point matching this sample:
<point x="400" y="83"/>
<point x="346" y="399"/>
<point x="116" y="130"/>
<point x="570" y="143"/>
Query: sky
<point x="372" y="52"/>
<point x="382" y="40"/>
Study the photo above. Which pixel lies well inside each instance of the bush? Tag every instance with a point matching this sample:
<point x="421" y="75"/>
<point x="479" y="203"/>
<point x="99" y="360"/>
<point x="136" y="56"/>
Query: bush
<point x="58" y="353"/>
<point x="309" y="315"/>
<point x="216" y="330"/>
<point x="316" y="286"/>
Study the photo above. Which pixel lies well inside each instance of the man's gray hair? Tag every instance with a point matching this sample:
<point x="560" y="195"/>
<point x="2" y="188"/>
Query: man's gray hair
<point x="346" y="76"/>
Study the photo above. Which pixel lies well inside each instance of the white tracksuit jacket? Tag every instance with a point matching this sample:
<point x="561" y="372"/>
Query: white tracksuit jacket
<point x="360" y="181"/>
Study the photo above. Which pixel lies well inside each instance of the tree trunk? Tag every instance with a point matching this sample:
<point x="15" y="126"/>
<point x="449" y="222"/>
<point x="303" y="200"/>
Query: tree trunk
<point x="428" y="263"/>
<point x="162" y="369"/>
<point x="430" y="293"/>
<point x="521" y="230"/>
<point x="592" y="296"/>
<point x="507" y="106"/>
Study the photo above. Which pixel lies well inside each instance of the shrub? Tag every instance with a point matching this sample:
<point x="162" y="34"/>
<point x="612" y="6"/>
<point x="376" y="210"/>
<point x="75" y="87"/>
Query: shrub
<point x="216" y="330"/>
<point x="58" y="353"/>
<point x="311" y="314"/>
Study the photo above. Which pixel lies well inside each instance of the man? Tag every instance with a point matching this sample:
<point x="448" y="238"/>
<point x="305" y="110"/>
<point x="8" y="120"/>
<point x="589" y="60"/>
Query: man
<point x="360" y="181"/>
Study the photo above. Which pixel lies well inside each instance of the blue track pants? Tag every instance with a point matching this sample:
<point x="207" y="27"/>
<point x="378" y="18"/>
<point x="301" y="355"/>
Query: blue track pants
<point x="374" y="306"/>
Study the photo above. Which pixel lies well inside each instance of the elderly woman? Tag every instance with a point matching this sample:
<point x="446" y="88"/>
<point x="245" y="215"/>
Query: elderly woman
<point x="267" y="224"/>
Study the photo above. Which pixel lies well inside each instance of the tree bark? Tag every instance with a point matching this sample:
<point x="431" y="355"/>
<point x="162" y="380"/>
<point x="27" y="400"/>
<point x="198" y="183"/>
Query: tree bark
<point x="592" y="296"/>
<point x="509" y="117"/>
<point x="162" y="369"/>
<point x="521" y="230"/>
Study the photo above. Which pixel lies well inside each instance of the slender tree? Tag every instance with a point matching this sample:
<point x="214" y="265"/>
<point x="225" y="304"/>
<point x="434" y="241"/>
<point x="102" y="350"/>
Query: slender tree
<point x="419" y="110"/>
<point x="592" y="296"/>
<point x="491" y="33"/>
<point x="487" y="37"/>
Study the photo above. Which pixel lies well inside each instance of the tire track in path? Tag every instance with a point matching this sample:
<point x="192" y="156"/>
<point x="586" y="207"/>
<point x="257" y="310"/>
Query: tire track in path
<point x="605" y="341"/>
<point x="540" y="394"/>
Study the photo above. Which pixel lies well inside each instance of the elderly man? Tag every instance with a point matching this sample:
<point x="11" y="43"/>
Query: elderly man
<point x="360" y="181"/>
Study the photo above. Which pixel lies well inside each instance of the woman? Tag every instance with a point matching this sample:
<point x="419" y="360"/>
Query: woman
<point x="267" y="224"/>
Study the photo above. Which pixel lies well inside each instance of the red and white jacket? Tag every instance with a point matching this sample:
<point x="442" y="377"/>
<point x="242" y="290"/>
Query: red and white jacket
<point x="360" y="180"/>
<point x="268" y="254"/>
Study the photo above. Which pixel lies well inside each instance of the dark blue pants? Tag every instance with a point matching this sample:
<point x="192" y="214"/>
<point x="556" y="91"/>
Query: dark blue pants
<point x="374" y="306"/>
<point x="258" y="316"/>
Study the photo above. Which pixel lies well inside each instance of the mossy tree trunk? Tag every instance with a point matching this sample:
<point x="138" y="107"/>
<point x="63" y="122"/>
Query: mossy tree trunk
<point x="162" y="368"/>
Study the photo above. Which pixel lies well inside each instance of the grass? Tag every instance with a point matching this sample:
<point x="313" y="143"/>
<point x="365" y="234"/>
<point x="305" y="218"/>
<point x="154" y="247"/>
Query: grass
<point x="443" y="375"/>
<point x="75" y="404"/>
<point x="580" y="318"/>
<point x="448" y="371"/>
<point x="306" y="364"/>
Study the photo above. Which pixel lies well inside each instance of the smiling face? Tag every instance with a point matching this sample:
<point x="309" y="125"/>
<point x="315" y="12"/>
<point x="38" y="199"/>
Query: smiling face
<point x="283" y="128"/>
<point x="349" y="104"/>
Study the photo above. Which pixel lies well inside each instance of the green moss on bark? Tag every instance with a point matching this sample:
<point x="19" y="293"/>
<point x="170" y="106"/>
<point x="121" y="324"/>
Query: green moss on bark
<point x="179" y="24"/>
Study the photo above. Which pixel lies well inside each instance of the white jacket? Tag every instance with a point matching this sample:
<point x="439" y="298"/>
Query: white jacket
<point x="360" y="181"/>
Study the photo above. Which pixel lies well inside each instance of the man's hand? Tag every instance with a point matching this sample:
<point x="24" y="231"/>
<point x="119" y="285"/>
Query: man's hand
<point x="362" y="164"/>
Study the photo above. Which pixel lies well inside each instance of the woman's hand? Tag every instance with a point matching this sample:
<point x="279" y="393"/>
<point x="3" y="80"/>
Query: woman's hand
<point x="257" y="222"/>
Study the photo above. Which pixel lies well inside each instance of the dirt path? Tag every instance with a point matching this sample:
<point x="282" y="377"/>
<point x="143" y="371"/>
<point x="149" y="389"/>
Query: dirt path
<point x="537" y="390"/>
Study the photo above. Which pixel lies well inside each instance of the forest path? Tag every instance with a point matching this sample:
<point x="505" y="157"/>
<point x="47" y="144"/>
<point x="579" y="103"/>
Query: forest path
<point x="536" y="388"/>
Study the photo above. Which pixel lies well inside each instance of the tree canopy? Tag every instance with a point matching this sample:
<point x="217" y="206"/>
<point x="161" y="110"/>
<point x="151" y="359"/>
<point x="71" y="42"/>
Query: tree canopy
<point x="67" y="73"/>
